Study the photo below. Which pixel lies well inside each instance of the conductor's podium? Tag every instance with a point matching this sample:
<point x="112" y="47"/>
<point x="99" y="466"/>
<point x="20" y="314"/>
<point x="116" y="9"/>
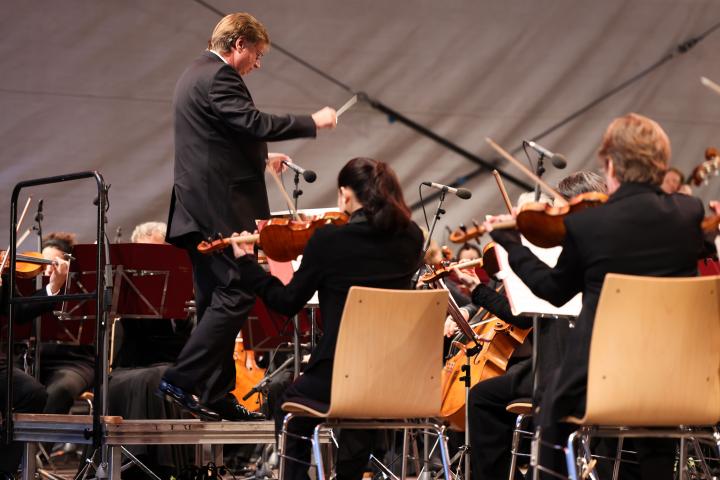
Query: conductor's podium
<point x="208" y="437"/>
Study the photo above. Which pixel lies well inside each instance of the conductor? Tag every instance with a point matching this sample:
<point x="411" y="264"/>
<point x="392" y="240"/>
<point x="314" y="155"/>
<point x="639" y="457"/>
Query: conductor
<point x="219" y="187"/>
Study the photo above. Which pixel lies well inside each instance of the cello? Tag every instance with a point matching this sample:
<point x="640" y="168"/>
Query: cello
<point x="247" y="375"/>
<point x="496" y="339"/>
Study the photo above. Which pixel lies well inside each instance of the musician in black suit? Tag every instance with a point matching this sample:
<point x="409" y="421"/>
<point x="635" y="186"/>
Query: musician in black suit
<point x="379" y="247"/>
<point x="640" y="231"/>
<point x="491" y="426"/>
<point x="219" y="187"/>
<point x="29" y="396"/>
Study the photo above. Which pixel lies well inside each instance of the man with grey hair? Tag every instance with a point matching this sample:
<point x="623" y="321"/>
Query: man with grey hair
<point x="149" y="232"/>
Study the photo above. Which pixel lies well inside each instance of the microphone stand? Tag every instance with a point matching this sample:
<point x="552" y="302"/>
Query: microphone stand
<point x="296" y="190"/>
<point x="539" y="170"/>
<point x="34" y="347"/>
<point x="438" y="213"/>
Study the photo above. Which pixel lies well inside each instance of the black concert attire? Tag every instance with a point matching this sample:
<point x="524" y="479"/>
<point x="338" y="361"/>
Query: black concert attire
<point x="491" y="426"/>
<point x="67" y="371"/>
<point x="219" y="187"/>
<point x="147" y="347"/>
<point x="639" y="231"/>
<point x="335" y="259"/>
<point x="29" y="396"/>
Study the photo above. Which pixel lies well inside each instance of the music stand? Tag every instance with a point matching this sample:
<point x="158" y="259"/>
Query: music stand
<point x="150" y="281"/>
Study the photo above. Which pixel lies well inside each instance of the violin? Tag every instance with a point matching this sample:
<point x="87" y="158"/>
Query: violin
<point x="445" y="271"/>
<point x="281" y="239"/>
<point x="542" y="224"/>
<point x="27" y="264"/>
<point x="490" y="261"/>
<point x="711" y="166"/>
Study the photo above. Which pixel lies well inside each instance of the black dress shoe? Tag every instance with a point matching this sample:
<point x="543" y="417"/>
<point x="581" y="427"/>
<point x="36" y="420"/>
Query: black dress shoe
<point x="187" y="401"/>
<point x="229" y="409"/>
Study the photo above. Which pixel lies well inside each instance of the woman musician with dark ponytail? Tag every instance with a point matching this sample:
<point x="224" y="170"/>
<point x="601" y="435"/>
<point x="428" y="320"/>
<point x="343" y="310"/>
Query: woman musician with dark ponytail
<point x="379" y="247"/>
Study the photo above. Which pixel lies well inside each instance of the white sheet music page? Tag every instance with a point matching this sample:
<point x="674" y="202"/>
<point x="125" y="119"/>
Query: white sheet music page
<point x="522" y="300"/>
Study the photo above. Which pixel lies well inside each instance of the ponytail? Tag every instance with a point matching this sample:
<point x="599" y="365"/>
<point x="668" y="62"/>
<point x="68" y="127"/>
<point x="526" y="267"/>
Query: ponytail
<point x="376" y="186"/>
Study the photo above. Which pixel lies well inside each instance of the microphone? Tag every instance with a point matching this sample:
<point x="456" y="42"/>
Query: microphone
<point x="460" y="192"/>
<point x="557" y="159"/>
<point x="308" y="175"/>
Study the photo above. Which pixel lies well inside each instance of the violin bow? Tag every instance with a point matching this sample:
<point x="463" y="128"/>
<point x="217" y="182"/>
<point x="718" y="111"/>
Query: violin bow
<point x="17" y="229"/>
<point x="280" y="185"/>
<point x="710" y="84"/>
<point x="503" y="192"/>
<point x="558" y="198"/>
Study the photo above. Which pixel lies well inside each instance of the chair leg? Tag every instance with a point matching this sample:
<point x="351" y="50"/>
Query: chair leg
<point x="403" y="460"/>
<point x="444" y="455"/>
<point x="283" y="444"/>
<point x="317" y="453"/>
<point x="589" y="464"/>
<point x="618" y="458"/>
<point x="701" y="458"/>
<point x="534" y="454"/>
<point x="682" y="462"/>
<point x="570" y="458"/>
<point x="516" y="444"/>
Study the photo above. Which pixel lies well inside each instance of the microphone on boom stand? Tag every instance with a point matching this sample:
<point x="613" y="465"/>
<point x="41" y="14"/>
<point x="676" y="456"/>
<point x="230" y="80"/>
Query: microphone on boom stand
<point x="308" y="175"/>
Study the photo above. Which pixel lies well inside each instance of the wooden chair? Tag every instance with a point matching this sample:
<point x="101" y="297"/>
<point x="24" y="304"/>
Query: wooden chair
<point x="386" y="368"/>
<point x="654" y="366"/>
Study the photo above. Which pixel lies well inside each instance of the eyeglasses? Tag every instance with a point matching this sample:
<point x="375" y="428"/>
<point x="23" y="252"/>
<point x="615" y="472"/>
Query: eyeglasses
<point x="258" y="53"/>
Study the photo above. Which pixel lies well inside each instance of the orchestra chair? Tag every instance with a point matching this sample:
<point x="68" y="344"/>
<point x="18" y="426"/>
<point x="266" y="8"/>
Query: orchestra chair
<point x="387" y="370"/>
<point x="654" y="366"/>
<point x="523" y="408"/>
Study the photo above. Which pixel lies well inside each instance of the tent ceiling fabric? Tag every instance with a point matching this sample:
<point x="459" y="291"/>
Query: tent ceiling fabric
<point x="87" y="85"/>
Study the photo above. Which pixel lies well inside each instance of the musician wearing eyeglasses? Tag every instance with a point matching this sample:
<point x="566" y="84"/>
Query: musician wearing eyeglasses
<point x="219" y="187"/>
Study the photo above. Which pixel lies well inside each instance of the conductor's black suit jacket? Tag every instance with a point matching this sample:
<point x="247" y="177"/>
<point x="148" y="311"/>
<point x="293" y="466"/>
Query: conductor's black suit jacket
<point x="639" y="231"/>
<point x="220" y="151"/>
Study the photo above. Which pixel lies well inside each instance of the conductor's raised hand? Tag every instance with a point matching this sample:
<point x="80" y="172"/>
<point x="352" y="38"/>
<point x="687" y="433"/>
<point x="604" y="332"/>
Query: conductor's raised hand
<point x="325" y="118"/>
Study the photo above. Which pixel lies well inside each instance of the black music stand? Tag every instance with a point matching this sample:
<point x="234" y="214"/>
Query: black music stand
<point x="150" y="281"/>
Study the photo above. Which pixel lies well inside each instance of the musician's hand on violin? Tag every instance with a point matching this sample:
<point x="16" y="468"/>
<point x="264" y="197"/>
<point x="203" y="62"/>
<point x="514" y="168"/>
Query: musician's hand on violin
<point x="505" y="236"/>
<point x="450" y="328"/>
<point x="240" y="249"/>
<point x="275" y="162"/>
<point x="468" y="277"/>
<point x="491" y="220"/>
<point x="325" y="118"/>
<point x="58" y="271"/>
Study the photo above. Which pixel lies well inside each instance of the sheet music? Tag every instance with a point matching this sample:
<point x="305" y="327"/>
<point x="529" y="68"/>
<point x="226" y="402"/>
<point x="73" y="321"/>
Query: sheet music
<point x="522" y="300"/>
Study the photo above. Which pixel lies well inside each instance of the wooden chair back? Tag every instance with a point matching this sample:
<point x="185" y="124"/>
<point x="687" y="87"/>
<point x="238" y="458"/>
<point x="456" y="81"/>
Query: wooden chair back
<point x="655" y="352"/>
<point x="388" y="356"/>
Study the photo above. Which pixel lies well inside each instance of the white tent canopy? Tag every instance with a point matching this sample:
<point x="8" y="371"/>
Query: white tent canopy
<point x="87" y="85"/>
